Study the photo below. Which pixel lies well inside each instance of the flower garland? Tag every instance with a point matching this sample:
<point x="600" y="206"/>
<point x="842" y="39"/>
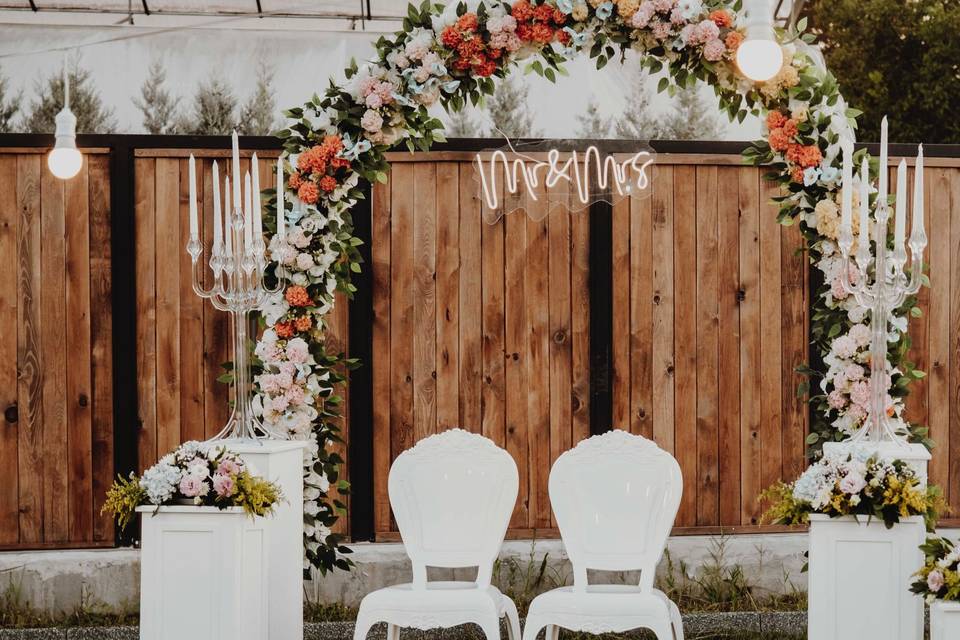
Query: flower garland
<point x="939" y="578"/>
<point x="449" y="55"/>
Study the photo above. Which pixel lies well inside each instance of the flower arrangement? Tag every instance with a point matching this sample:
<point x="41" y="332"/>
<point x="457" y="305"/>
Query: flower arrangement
<point x="939" y="578"/>
<point x="854" y="483"/>
<point x="196" y="473"/>
<point x="452" y="54"/>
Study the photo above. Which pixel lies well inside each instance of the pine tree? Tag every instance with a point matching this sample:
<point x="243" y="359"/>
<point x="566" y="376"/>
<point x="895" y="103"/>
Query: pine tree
<point x="509" y="112"/>
<point x="593" y="124"/>
<point x="214" y="110"/>
<point x="637" y="122"/>
<point x="692" y="118"/>
<point x="460" y="124"/>
<point x="9" y="105"/>
<point x="158" y="106"/>
<point x="257" y="115"/>
<point x="92" y="115"/>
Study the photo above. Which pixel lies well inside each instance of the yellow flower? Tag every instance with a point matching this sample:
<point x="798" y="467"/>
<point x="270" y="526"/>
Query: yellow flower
<point x="596" y="3"/>
<point x="626" y="8"/>
<point x="800" y="114"/>
<point x="828" y="219"/>
<point x="579" y="12"/>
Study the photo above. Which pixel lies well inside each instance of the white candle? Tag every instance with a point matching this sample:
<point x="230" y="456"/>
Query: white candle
<point x="882" y="196"/>
<point x="217" y="215"/>
<point x="846" y="219"/>
<point x="194" y="224"/>
<point x="863" y="245"/>
<point x="900" y="224"/>
<point x="281" y="206"/>
<point x="247" y="210"/>
<point x="228" y="218"/>
<point x="257" y="220"/>
<point x="918" y="234"/>
<point x="236" y="172"/>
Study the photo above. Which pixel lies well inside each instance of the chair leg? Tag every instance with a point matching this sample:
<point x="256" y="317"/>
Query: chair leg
<point x="363" y="625"/>
<point x="513" y="618"/>
<point x="663" y="630"/>
<point x="491" y="627"/>
<point x="532" y="627"/>
<point x="552" y="632"/>
<point x="393" y="632"/>
<point x="676" y="621"/>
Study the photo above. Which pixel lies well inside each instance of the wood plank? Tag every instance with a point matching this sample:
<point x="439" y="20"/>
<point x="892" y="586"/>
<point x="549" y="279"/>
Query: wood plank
<point x="663" y="367"/>
<point x="793" y="331"/>
<point x="191" y="317"/>
<point x="29" y="357"/>
<point x="380" y="353"/>
<point x="336" y="339"/>
<point x="79" y="375"/>
<point x="580" y="324"/>
<point x="641" y="316"/>
<point x="145" y="234"/>
<point x="401" y="309"/>
<point x="954" y="345"/>
<point x="425" y="295"/>
<point x="938" y="195"/>
<point x="9" y="431"/>
<point x="216" y="324"/>
<point x="561" y="347"/>
<point x="515" y="362"/>
<point x="751" y="482"/>
<point x="685" y="327"/>
<point x="728" y="268"/>
<point x="448" y="296"/>
<point x="620" y="299"/>
<point x="537" y="308"/>
<point x="771" y="402"/>
<point x="471" y="302"/>
<point x="168" y="304"/>
<point x="708" y="348"/>
<point x="101" y="337"/>
<point x="492" y="265"/>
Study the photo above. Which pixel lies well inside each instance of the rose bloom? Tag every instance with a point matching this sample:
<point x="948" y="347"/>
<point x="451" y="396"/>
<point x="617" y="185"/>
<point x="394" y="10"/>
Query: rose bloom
<point x="522" y="11"/>
<point x="714" y="50"/>
<point x="543" y="12"/>
<point x="721" y="18"/>
<point x="223" y="485"/>
<point x="733" y="40"/>
<point x="790" y="128"/>
<point x="852" y="483"/>
<point x="935" y="581"/>
<point x="450" y="37"/>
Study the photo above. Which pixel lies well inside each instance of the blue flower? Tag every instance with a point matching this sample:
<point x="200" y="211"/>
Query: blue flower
<point x="565" y="6"/>
<point x="829" y="174"/>
<point x="810" y="176"/>
<point x="577" y="38"/>
<point x="352" y="151"/>
<point x="451" y="86"/>
<point x="605" y="10"/>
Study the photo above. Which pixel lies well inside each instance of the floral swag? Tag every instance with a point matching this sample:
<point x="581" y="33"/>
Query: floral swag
<point x="449" y="55"/>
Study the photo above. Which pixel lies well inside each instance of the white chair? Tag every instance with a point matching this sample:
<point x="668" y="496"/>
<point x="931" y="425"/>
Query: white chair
<point x="452" y="495"/>
<point x="615" y="497"/>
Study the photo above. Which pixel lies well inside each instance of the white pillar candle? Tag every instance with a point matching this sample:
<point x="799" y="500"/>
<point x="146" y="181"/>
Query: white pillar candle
<point x="247" y="211"/>
<point x="281" y="205"/>
<point x="228" y="218"/>
<point x="918" y="234"/>
<point x="863" y="245"/>
<point x="236" y="172"/>
<point x="192" y="177"/>
<point x="883" y="164"/>
<point x="217" y="215"/>
<point x="900" y="224"/>
<point x="846" y="219"/>
<point x="257" y="219"/>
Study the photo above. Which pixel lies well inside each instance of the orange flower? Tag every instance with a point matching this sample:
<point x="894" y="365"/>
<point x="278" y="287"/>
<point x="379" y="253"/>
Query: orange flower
<point x="793" y="153"/>
<point x="733" y="40"/>
<point x="797" y="175"/>
<point x="775" y="120"/>
<point x="328" y="183"/>
<point x="308" y="192"/>
<point x="721" y="18"/>
<point x="542" y="32"/>
<point x="339" y="163"/>
<point x="485" y="68"/>
<point x="810" y="156"/>
<point x="559" y="17"/>
<point x="283" y="329"/>
<point x="524" y="31"/>
<point x="522" y="11"/>
<point x="295" y="181"/>
<point x="450" y="37"/>
<point x="468" y="22"/>
<point x="303" y="323"/>
<point x="544" y="13"/>
<point x="790" y="128"/>
<point x="297" y="296"/>
<point x="779" y="140"/>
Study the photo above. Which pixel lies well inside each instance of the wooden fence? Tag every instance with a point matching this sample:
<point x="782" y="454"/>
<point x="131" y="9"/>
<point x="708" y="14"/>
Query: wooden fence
<point x="483" y="326"/>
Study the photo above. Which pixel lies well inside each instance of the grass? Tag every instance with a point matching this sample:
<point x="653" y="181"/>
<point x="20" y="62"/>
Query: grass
<point x="16" y="613"/>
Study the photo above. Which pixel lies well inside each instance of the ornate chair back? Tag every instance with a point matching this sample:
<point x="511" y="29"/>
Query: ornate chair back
<point x="452" y="495"/>
<point x="615" y="497"/>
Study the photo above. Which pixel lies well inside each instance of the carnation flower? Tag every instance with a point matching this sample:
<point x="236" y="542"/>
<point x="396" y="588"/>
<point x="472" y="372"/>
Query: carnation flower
<point x="842" y="346"/>
<point x="308" y="193"/>
<point x="297" y="296"/>
<point x="714" y="50"/>
<point x="371" y="121"/>
<point x="836" y="399"/>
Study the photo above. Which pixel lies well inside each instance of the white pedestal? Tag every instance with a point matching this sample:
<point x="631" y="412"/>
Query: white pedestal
<point x="281" y="461"/>
<point x="944" y="620"/>
<point x="860" y="576"/>
<point x="915" y="455"/>
<point x="202" y="574"/>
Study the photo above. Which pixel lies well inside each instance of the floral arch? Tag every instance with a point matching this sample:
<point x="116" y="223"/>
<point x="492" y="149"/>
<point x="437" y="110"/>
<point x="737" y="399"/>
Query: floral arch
<point x="450" y="55"/>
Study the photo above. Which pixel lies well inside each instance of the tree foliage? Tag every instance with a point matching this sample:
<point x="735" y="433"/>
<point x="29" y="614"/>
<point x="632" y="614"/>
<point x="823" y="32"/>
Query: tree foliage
<point x="9" y="105"/>
<point x="258" y="116"/>
<point x="92" y="115"/>
<point x="691" y="118"/>
<point x="896" y="58"/>
<point x="214" y="110"/>
<point x="509" y="110"/>
<point x="462" y="124"/>
<point x="592" y="124"/>
<point x="637" y="122"/>
<point x="158" y="106"/>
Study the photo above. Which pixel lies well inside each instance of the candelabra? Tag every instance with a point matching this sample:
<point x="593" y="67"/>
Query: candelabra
<point x="891" y="283"/>
<point x="237" y="262"/>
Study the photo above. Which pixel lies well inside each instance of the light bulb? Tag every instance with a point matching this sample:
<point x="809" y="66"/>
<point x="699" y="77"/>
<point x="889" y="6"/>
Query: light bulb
<point x="65" y="162"/>
<point x="759" y="59"/>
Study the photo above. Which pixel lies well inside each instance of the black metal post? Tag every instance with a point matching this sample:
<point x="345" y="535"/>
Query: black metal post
<point x="601" y="317"/>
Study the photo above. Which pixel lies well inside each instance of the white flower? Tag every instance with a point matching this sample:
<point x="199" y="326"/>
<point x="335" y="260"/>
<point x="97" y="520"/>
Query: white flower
<point x="160" y="482"/>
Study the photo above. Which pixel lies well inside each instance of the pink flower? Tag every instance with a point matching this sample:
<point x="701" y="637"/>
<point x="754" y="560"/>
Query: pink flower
<point x="707" y="30"/>
<point x="844" y="347"/>
<point x="836" y="399"/>
<point x="857" y="412"/>
<point x="860" y="334"/>
<point x="714" y="50"/>
<point x="676" y="16"/>
<point x="860" y="393"/>
<point x="853" y="372"/>
<point x="229" y="466"/>
<point x="660" y="30"/>
<point x="283" y="380"/>
<point x="294" y="395"/>
<point x="371" y="121"/>
<point x="935" y="581"/>
<point x="223" y="485"/>
<point x="374" y="101"/>
<point x="367" y="85"/>
<point x="297" y="351"/>
<point x="852" y="483"/>
<point x="191" y="486"/>
<point x="663" y="6"/>
<point x="642" y="17"/>
<point x="836" y="287"/>
<point x="279" y="404"/>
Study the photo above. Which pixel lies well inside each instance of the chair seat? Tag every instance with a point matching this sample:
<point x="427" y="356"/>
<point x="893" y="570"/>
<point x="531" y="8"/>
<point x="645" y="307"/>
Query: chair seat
<point x="440" y="596"/>
<point x="614" y="607"/>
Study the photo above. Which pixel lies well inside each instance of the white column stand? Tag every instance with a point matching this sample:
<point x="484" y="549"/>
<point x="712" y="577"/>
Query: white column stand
<point x="944" y="620"/>
<point x="281" y="461"/>
<point x="202" y="574"/>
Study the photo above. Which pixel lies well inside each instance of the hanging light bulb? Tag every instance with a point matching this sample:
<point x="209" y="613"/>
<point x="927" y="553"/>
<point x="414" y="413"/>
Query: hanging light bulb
<point x="759" y="56"/>
<point x="64" y="159"/>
